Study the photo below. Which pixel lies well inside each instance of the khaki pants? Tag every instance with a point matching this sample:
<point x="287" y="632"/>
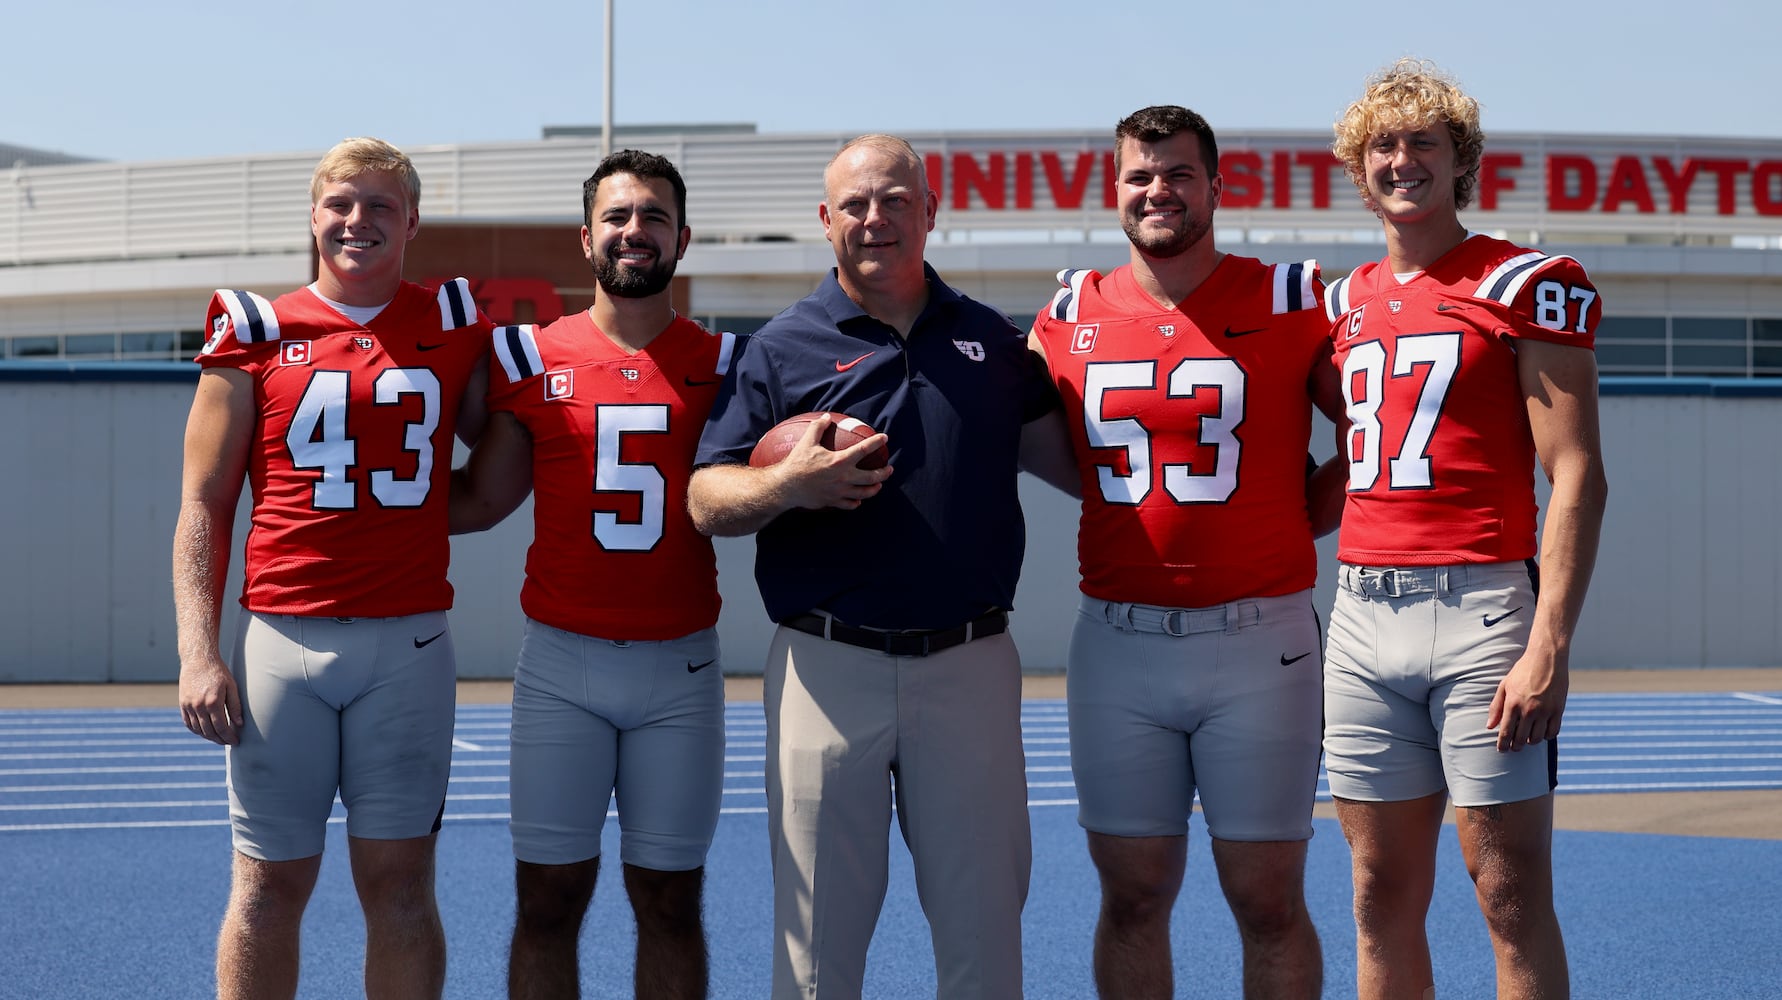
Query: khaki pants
<point x="848" y="730"/>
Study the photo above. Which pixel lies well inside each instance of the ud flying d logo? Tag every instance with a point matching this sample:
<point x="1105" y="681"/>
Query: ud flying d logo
<point x="1082" y="341"/>
<point x="1394" y="305"/>
<point x="1167" y="329"/>
<point x="970" y="348"/>
<point x="293" y="352"/>
<point x="364" y="343"/>
<point x="559" y="384"/>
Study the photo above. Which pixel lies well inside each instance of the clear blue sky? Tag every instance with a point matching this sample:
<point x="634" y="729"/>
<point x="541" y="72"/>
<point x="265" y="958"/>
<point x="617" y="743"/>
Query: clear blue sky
<point x="134" y="81"/>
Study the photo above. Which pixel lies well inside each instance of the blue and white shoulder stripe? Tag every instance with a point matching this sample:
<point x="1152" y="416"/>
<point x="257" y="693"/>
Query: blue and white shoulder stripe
<point x="251" y="315"/>
<point x="456" y="307"/>
<point x="1295" y="286"/>
<point x="1507" y="280"/>
<point x="516" y="348"/>
<point x="1069" y="298"/>
<point x="1336" y="297"/>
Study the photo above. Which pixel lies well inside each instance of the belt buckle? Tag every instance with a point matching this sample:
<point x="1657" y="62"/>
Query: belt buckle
<point x="904" y="644"/>
<point x="1175" y="623"/>
<point x="1389" y="584"/>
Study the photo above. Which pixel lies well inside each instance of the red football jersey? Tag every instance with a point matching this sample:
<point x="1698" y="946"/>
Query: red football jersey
<point x="614" y="553"/>
<point x="1441" y="459"/>
<point x="1190" y="428"/>
<point x="353" y="448"/>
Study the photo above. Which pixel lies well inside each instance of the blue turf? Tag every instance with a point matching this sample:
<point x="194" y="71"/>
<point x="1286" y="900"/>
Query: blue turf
<point x="132" y="912"/>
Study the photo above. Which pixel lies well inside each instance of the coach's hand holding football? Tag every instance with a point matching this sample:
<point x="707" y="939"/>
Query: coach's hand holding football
<point x="813" y="477"/>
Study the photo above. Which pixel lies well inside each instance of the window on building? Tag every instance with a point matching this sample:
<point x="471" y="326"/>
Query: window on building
<point x="190" y="343"/>
<point x="147" y="346"/>
<point x="1630" y="359"/>
<point x="35" y="347"/>
<point x="89" y="344"/>
<point x="1766" y="347"/>
<point x="1632" y="345"/>
<point x="1703" y="345"/>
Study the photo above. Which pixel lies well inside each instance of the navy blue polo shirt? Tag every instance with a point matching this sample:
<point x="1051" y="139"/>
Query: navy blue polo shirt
<point x="942" y="543"/>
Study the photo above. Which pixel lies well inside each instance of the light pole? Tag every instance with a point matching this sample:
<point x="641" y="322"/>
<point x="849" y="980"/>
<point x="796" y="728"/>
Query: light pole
<point x="606" y="115"/>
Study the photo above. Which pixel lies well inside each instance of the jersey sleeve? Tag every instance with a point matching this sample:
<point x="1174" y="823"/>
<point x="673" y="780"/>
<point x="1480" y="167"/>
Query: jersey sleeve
<point x="1549" y="299"/>
<point x="242" y="329"/>
<point x="515" y="359"/>
<point x="1297" y="287"/>
<point x="457" y="309"/>
<point x="1058" y="319"/>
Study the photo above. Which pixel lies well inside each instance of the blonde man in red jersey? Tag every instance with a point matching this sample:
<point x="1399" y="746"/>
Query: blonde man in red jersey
<point x="1188" y="378"/>
<point x="618" y="686"/>
<point x="1463" y="359"/>
<point x="337" y="403"/>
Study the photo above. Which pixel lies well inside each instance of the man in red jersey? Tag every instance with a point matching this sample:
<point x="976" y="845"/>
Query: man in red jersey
<point x="337" y="403"/>
<point x="1188" y="377"/>
<point x="1463" y="358"/>
<point x="618" y="687"/>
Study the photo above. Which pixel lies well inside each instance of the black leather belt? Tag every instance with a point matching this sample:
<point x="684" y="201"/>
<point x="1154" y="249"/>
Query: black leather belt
<point x="900" y="642"/>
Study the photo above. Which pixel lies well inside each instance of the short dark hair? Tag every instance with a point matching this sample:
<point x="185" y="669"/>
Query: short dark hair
<point x="643" y="166"/>
<point x="1162" y="121"/>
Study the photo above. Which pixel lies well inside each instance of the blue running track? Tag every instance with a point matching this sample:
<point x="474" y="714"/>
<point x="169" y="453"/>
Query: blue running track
<point x="114" y="849"/>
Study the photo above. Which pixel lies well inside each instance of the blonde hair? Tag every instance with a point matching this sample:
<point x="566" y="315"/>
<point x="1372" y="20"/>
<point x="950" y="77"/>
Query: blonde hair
<point x="894" y="146"/>
<point x="1411" y="94"/>
<point x="351" y="157"/>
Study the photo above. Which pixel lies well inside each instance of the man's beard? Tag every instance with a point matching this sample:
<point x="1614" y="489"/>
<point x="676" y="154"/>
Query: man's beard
<point x="632" y="282"/>
<point x="1163" y="247"/>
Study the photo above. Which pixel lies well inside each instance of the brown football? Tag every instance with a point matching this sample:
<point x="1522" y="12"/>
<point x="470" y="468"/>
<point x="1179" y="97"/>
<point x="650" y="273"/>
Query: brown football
<point x="843" y="432"/>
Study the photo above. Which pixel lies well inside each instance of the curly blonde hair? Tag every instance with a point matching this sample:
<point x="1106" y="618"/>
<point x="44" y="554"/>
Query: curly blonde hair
<point x="1411" y="94"/>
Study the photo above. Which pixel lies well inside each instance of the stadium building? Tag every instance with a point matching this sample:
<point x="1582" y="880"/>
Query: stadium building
<point x="113" y="262"/>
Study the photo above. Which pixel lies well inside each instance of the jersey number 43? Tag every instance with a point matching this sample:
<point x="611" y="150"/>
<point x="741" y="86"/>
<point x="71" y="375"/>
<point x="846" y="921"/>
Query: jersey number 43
<point x="318" y="438"/>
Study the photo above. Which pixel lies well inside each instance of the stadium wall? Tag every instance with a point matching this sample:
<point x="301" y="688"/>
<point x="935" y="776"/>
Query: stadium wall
<point x="1687" y="576"/>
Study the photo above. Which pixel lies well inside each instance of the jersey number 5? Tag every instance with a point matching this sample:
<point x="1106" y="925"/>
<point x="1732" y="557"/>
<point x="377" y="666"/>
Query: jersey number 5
<point x="318" y="438"/>
<point x="1218" y="431"/>
<point x="611" y="424"/>
<point x="1366" y="364"/>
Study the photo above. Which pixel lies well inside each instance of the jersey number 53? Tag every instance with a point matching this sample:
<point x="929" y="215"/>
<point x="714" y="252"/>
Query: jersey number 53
<point x="1218" y="430"/>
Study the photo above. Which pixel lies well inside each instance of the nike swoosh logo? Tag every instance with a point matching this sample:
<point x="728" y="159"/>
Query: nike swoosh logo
<point x="1490" y="621"/>
<point x="694" y="668"/>
<point x="419" y="643"/>
<point x="690" y="380"/>
<point x="1229" y="332"/>
<point x="1285" y="662"/>
<point x="429" y="347"/>
<point x="1443" y="307"/>
<point x="842" y="368"/>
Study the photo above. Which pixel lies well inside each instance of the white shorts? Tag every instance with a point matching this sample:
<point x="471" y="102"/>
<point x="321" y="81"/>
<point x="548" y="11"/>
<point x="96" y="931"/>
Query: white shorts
<point x="1416" y="655"/>
<point x="362" y="706"/>
<point x="594" y="717"/>
<point x="1223" y="700"/>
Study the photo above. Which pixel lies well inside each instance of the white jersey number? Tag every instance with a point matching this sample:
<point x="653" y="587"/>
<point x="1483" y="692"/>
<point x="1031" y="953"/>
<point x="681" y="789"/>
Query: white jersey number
<point x="318" y="438"/>
<point x="1218" y="431"/>
<point x="611" y="424"/>
<point x="1553" y="301"/>
<point x="1366" y="363"/>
